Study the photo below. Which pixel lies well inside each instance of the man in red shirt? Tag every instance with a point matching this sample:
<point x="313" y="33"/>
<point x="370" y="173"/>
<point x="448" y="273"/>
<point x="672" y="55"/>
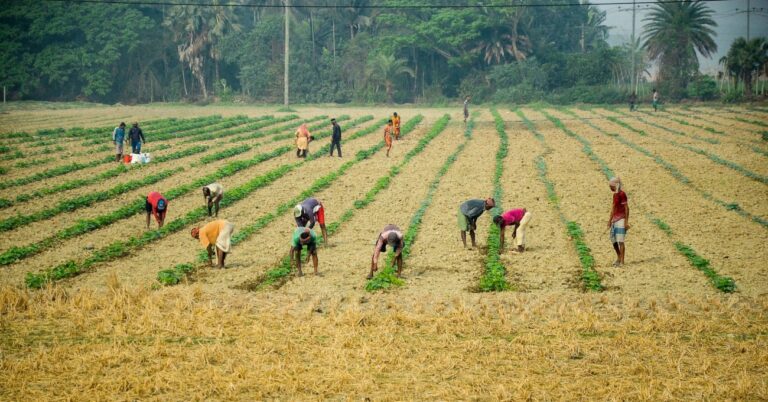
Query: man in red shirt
<point x="156" y="205"/>
<point x="618" y="222"/>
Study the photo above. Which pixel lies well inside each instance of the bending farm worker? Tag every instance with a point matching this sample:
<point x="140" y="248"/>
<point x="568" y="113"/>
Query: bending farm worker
<point x="303" y="237"/>
<point x="137" y="137"/>
<point x="618" y="222"/>
<point x="156" y="205"/>
<point x="389" y="236"/>
<point x="519" y="218"/>
<point x="302" y="141"/>
<point x="118" y="138"/>
<point x="218" y="235"/>
<point x="388" y="136"/>
<point x="213" y="193"/>
<point x="469" y="211"/>
<point x="308" y="212"/>
<point x="396" y="125"/>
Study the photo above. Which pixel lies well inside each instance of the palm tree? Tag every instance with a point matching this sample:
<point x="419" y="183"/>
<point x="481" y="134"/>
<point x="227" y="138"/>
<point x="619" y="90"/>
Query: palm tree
<point x="501" y="36"/>
<point x="746" y="57"/>
<point x="385" y="69"/>
<point x="674" y="32"/>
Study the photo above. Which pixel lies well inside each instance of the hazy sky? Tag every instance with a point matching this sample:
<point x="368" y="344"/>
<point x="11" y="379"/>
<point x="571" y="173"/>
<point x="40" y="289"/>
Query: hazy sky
<point x="730" y="15"/>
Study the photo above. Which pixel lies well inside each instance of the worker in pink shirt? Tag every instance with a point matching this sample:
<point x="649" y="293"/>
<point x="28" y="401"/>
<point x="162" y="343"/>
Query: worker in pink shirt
<point x="518" y="218"/>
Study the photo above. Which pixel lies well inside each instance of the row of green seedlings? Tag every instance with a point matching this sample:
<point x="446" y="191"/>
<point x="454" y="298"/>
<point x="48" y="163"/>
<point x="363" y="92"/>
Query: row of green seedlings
<point x="675" y="172"/>
<point x="255" y="126"/>
<point x="121" y="248"/>
<point x="721" y="117"/>
<point x="714" y="158"/>
<point x="87" y="200"/>
<point x="494" y="275"/>
<point x="85" y="134"/>
<point x="74" y="133"/>
<point x="279" y="274"/>
<point x="740" y="113"/>
<point x="189" y="129"/>
<point x="590" y="278"/>
<point x="387" y="278"/>
<point x="76" y="183"/>
<point x="722" y="283"/>
<point x="713" y="141"/>
<point x="688" y="123"/>
<point x="18" y="253"/>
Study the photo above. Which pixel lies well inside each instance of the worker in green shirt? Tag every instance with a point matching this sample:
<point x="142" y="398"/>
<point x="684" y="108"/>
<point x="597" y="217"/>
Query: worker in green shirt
<point x="303" y="237"/>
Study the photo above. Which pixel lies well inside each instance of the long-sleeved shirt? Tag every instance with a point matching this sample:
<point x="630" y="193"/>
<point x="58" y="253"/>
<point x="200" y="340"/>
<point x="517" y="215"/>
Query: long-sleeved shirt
<point x="336" y="136"/>
<point x="118" y="135"/>
<point x="136" y="134"/>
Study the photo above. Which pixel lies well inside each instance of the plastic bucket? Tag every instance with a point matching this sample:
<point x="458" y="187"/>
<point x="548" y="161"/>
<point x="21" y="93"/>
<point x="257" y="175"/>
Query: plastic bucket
<point x="127" y="159"/>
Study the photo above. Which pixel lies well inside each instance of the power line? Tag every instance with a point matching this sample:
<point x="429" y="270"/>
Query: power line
<point x="367" y="6"/>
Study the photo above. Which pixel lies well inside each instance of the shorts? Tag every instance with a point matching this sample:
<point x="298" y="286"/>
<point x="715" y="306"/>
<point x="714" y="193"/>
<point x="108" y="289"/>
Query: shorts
<point x="383" y="248"/>
<point x="148" y="206"/>
<point x="618" y="232"/>
<point x="119" y="147"/>
<point x="312" y="247"/>
<point x="321" y="215"/>
<point x="466" y="223"/>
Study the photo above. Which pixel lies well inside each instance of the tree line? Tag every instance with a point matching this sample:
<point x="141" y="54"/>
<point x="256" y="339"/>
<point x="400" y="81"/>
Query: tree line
<point x="351" y="52"/>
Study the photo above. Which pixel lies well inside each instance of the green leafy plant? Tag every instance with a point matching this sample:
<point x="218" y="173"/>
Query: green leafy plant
<point x="723" y="283"/>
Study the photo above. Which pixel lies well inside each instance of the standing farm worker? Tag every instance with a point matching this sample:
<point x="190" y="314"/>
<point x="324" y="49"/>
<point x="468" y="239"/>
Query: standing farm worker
<point x="137" y="137"/>
<point x="156" y="205"/>
<point x="118" y="138"/>
<point x="308" y="212"/>
<point x="388" y="136"/>
<point x="396" y="125"/>
<point x="632" y="102"/>
<point x="466" y="108"/>
<point x="303" y="237"/>
<point x="469" y="211"/>
<point x="655" y="100"/>
<point x="335" y="137"/>
<point x="517" y="217"/>
<point x="390" y="236"/>
<point x="216" y="234"/>
<point x="619" y="219"/>
<point x="213" y="193"/>
<point x="302" y="141"/>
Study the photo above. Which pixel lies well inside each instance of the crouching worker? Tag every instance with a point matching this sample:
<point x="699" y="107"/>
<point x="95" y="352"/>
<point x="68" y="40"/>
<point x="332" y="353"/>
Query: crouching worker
<point x="518" y="218"/>
<point x="303" y="237"/>
<point x="213" y="193"/>
<point x="216" y="234"/>
<point x="469" y="211"/>
<point x="156" y="205"/>
<point x="390" y="236"/>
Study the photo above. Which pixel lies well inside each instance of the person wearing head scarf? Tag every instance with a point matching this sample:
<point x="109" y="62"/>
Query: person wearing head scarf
<point x="303" y="237"/>
<point x="618" y="223"/>
<point x="390" y="236"/>
<point x="302" y="141"/>
<point x="469" y="211"/>
<point x="308" y="212"/>
<point x="519" y="219"/>
<point x="218" y="235"/>
<point x="156" y="205"/>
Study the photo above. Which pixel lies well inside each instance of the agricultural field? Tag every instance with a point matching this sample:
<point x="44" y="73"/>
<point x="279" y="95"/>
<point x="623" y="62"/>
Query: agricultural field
<point x="93" y="306"/>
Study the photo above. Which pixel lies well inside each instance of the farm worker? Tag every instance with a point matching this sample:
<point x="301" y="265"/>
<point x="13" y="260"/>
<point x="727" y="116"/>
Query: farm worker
<point x="618" y="222"/>
<point x="213" y="193"/>
<point x="466" y="108"/>
<point x="388" y="135"/>
<point x="137" y="137"/>
<point x="303" y="237"/>
<point x="392" y="236"/>
<point x="396" y="125"/>
<point x="517" y="217"/>
<point x="118" y="138"/>
<point x="308" y="212"/>
<point x="335" y="137"/>
<point x="469" y="211"/>
<point x="632" y="102"/>
<point x="216" y="234"/>
<point x="655" y="100"/>
<point x="302" y="141"/>
<point x="156" y="205"/>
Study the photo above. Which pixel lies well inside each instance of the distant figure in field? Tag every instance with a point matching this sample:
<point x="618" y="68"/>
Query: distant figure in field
<point x="216" y="234"/>
<point x="308" y="212"/>
<point x="137" y="137"/>
<point x="390" y="236"/>
<point x="302" y="141"/>
<point x="118" y="138"/>
<point x="632" y="102"/>
<point x="655" y="100"/>
<point x="156" y="205"/>
<point x="303" y="237"/>
<point x="396" y="125"/>
<point x="335" y="137"/>
<point x="469" y="211"/>
<point x="618" y="222"/>
<point x="518" y="218"/>
<point x="388" y="136"/>
<point x="466" y="108"/>
<point x="213" y="193"/>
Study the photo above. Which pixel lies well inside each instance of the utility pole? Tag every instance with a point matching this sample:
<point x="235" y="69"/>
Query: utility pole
<point x="287" y="52"/>
<point x="748" y="10"/>
<point x="634" y="59"/>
